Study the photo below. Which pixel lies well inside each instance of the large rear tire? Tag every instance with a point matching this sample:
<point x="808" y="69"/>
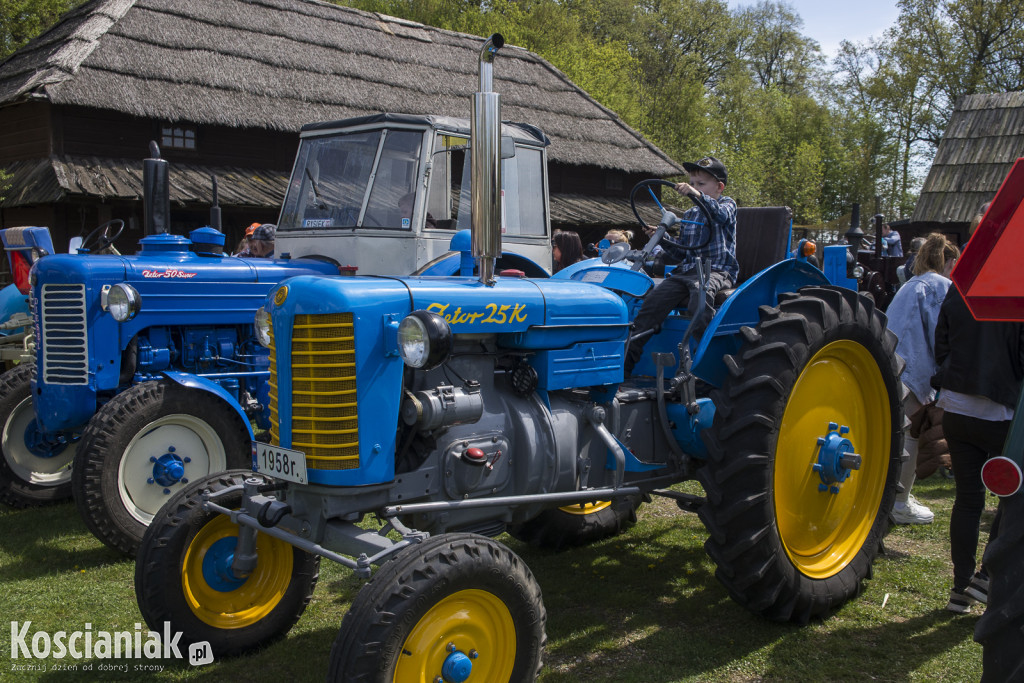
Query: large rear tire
<point x="35" y="468"/>
<point x="182" y="575"/>
<point x="789" y="544"/>
<point x="460" y="601"/>
<point x="146" y="444"/>
<point x="576" y="525"/>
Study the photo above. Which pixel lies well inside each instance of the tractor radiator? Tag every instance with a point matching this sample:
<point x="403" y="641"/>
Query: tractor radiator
<point x="324" y="415"/>
<point x="64" y="334"/>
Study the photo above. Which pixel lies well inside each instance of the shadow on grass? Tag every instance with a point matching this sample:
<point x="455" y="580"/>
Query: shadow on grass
<point x="46" y="540"/>
<point x="620" y="618"/>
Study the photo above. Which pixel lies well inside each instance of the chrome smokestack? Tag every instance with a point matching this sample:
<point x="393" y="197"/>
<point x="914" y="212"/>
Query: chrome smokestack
<point x="485" y="157"/>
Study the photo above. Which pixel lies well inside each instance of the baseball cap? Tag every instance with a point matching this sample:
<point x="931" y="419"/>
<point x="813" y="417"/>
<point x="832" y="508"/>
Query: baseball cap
<point x="709" y="165"/>
<point x="251" y="229"/>
<point x="264" y="232"/>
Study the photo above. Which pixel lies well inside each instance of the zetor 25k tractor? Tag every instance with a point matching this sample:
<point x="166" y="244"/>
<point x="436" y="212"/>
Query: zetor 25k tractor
<point x="147" y="372"/>
<point x="416" y="418"/>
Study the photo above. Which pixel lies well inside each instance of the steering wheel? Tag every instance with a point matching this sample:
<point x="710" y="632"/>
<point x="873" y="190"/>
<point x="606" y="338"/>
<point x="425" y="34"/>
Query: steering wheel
<point x="697" y="200"/>
<point x="101" y="236"/>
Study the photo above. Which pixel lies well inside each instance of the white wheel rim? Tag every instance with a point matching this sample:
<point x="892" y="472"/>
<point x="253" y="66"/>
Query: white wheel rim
<point x="25" y="464"/>
<point x="190" y="437"/>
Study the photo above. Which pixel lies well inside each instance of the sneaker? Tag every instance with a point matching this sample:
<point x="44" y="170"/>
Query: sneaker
<point x="959" y="602"/>
<point x="978" y="588"/>
<point x="911" y="512"/>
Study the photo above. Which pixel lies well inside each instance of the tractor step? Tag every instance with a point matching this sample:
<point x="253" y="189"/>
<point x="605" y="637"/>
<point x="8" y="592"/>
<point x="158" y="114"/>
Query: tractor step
<point x="686" y="501"/>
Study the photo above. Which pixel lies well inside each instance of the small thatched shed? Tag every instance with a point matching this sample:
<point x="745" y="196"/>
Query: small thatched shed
<point x="984" y="137"/>
<point x="224" y="85"/>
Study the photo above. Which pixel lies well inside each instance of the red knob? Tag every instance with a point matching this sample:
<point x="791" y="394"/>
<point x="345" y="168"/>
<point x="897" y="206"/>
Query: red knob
<point x="475" y="455"/>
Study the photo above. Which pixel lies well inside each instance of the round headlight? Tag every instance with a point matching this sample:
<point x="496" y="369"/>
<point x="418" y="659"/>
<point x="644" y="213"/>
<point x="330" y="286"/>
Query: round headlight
<point x="424" y="340"/>
<point x="858" y="271"/>
<point x="263" y="327"/>
<point x="123" y="302"/>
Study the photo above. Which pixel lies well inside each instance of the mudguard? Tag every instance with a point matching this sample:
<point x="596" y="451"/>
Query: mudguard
<point x="190" y="381"/>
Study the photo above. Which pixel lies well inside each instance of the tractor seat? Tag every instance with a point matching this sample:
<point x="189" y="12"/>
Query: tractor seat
<point x="762" y="240"/>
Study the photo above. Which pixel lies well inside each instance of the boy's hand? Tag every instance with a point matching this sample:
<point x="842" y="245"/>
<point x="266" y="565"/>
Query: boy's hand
<point x="686" y="189"/>
<point x="650" y="229"/>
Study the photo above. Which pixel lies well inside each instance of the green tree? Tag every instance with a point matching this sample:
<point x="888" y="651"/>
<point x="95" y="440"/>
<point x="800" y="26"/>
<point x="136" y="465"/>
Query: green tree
<point x="773" y="48"/>
<point x="23" y="20"/>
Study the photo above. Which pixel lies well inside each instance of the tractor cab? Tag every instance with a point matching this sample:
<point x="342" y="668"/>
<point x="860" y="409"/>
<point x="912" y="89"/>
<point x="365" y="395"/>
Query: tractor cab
<point x="390" y="191"/>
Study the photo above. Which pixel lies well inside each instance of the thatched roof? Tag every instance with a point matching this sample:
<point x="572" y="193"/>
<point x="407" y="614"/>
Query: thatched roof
<point x="44" y="181"/>
<point x="278" y="64"/>
<point x="984" y="137"/>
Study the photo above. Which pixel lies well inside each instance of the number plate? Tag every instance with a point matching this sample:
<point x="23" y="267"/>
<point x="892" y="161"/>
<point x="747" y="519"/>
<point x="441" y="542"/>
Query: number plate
<point x="280" y="463"/>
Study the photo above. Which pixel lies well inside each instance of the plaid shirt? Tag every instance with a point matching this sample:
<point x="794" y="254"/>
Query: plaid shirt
<point x="720" y="251"/>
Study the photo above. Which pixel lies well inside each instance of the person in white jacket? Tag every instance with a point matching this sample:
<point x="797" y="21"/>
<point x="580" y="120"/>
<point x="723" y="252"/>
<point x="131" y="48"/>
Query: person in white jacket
<point x="913" y="314"/>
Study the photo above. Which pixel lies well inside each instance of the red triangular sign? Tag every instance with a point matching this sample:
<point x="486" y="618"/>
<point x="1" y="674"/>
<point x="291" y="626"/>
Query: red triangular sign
<point x="990" y="272"/>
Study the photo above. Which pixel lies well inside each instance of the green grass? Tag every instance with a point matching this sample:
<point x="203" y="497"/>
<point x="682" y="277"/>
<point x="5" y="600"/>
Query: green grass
<point x="644" y="606"/>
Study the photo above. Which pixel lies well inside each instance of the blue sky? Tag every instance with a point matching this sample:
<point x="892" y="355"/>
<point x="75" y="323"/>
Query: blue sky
<point x="830" y="22"/>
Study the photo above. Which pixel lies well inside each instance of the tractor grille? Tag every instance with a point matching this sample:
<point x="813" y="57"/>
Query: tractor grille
<point x="324" y="412"/>
<point x="64" y="336"/>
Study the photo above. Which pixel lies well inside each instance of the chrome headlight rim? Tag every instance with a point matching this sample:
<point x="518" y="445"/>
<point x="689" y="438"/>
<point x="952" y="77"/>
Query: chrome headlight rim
<point x="262" y="326"/>
<point x="858" y="271"/>
<point x="123" y="302"/>
<point x="424" y="340"/>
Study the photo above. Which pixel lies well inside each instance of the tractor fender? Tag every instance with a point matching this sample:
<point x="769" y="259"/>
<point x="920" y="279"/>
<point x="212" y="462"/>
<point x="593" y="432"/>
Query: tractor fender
<point x="763" y="289"/>
<point x="190" y="381"/>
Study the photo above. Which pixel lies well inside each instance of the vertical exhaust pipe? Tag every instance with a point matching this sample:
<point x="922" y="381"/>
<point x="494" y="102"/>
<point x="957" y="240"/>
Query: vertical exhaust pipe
<point x="156" y="192"/>
<point x="485" y="162"/>
<point x="215" y="221"/>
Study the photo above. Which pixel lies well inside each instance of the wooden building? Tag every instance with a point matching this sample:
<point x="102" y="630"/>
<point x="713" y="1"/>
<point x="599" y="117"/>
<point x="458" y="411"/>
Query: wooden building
<point x="223" y="87"/>
<point x="984" y="137"/>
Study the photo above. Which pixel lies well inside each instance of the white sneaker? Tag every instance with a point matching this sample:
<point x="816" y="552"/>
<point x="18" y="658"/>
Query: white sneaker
<point x="911" y="512"/>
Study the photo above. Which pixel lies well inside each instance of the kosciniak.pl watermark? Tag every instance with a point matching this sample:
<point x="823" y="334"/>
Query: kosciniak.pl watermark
<point x="88" y="644"/>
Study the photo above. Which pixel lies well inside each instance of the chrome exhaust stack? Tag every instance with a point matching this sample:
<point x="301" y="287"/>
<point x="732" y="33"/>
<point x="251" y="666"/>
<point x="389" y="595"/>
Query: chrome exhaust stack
<point x="485" y="164"/>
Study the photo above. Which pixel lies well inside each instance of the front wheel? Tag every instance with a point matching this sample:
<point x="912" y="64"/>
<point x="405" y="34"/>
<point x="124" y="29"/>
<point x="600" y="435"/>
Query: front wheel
<point x="576" y="525"/>
<point x="36" y="467"/>
<point x="183" y="575"/>
<point x="455" y="607"/>
<point x="145" y="445"/>
<point x="805" y="454"/>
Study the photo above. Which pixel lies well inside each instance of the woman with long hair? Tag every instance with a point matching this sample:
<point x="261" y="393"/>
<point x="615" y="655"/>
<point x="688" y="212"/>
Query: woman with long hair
<point x="566" y="249"/>
<point x="913" y="314"/>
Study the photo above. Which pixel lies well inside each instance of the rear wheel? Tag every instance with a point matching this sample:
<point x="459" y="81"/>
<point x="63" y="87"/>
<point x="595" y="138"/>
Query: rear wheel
<point x="454" y="607"/>
<point x="36" y="467"/>
<point x="575" y="525"/>
<point x="183" y="575"/>
<point x="805" y="455"/>
<point x="143" y="446"/>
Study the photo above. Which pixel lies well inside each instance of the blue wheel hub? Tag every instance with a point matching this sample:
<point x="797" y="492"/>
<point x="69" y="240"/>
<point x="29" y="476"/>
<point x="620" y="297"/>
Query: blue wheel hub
<point x="456" y="668"/>
<point x="43" y="445"/>
<point x="168" y="469"/>
<point x="836" y="458"/>
<point x="217" y="565"/>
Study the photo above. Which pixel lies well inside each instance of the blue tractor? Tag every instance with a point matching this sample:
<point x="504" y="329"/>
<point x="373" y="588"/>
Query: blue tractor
<point x="414" y="419"/>
<point x="146" y="375"/>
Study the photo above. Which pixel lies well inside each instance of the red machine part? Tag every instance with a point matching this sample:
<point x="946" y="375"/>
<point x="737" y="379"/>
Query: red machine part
<point x="991" y="280"/>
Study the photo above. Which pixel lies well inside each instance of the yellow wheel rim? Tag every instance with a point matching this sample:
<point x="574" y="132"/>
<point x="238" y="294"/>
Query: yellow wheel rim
<point x="586" y="508"/>
<point x="228" y="606"/>
<point x="471" y="620"/>
<point x="822" y="531"/>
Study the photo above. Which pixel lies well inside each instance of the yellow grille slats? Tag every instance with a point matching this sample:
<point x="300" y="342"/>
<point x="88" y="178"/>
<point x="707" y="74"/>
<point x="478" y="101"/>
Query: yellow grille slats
<point x="324" y="415"/>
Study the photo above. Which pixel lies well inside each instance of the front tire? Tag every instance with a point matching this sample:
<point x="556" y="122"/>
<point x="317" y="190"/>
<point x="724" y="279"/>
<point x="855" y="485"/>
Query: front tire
<point x="789" y="545"/>
<point x="143" y="446"/>
<point x="452" y="600"/>
<point x="577" y="525"/>
<point x="34" y="470"/>
<point x="181" y="575"/>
